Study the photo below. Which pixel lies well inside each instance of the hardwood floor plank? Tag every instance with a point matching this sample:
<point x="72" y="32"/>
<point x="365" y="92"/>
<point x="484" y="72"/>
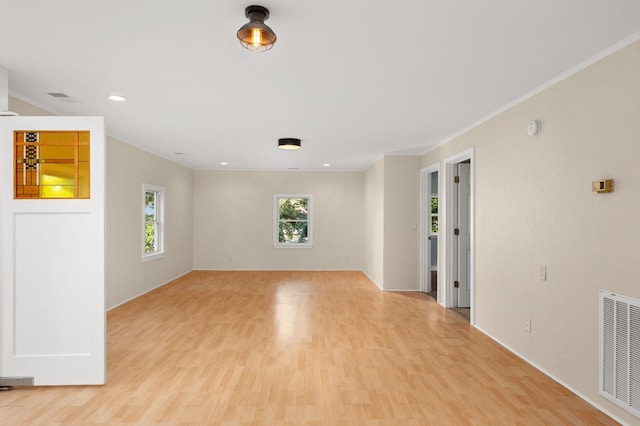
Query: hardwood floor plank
<point x="296" y="347"/>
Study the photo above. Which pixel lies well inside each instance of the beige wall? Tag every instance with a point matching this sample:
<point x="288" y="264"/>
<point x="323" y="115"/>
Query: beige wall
<point x="127" y="168"/>
<point x="534" y="206"/>
<point x="391" y="218"/>
<point x="233" y="220"/>
<point x="374" y="223"/>
<point x="4" y="89"/>
<point x="25" y="108"/>
<point x="401" y="219"/>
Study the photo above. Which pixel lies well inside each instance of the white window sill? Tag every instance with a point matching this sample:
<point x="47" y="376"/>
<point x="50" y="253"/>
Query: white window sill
<point x="152" y="256"/>
<point x="293" y="246"/>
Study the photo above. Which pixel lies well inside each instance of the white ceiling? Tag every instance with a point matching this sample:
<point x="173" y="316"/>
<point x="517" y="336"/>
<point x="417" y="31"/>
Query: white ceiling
<point x="353" y="79"/>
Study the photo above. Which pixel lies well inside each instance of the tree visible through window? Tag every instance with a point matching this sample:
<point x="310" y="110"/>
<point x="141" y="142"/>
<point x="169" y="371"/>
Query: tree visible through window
<point x="153" y="221"/>
<point x="293" y="214"/>
<point x="434" y="214"/>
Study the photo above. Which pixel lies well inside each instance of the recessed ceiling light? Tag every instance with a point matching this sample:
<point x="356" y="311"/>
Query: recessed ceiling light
<point x="117" y="98"/>
<point x="326" y="165"/>
<point x="224" y="164"/>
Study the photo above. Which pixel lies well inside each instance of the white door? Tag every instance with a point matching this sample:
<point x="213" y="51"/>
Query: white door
<point x="52" y="267"/>
<point x="463" y="237"/>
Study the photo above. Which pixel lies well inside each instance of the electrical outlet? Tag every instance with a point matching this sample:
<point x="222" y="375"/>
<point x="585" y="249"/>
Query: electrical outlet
<point x="527" y="325"/>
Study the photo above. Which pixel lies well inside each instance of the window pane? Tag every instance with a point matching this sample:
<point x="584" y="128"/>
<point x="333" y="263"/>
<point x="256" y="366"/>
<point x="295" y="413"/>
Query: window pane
<point x="51" y="164"/>
<point x="434" y="224"/>
<point x="292" y="220"/>
<point x="150" y="206"/>
<point x="83" y="153"/>
<point x="293" y="232"/>
<point x="293" y="208"/>
<point x="58" y="152"/>
<point x="153" y="230"/>
<point x="57" y="180"/>
<point x="57" y="174"/>
<point x="55" y="137"/>
<point x="83" y="179"/>
<point x="150" y="238"/>
<point x="56" y="191"/>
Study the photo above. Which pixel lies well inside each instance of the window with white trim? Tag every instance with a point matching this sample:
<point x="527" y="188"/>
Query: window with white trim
<point x="153" y="222"/>
<point x="292" y="221"/>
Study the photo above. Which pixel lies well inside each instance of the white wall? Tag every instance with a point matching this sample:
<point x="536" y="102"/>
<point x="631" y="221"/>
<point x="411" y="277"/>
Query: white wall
<point x="127" y="168"/>
<point x="233" y="220"/>
<point x="374" y="223"/>
<point x="534" y="206"/>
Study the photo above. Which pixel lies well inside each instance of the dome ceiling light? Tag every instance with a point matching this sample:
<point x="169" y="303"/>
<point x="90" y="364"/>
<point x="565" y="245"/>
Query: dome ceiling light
<point x="256" y="35"/>
<point x="289" y="143"/>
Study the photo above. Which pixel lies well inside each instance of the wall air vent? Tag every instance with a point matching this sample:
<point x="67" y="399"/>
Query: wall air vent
<point x="620" y="350"/>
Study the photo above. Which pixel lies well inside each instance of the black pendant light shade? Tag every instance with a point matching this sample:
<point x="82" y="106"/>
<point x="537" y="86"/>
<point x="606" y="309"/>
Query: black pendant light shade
<point x="255" y="35"/>
<point x="289" y="143"/>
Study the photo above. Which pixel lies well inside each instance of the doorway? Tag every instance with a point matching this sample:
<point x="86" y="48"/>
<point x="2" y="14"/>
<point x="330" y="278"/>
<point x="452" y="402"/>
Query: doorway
<point x="429" y="184"/>
<point x="459" y="292"/>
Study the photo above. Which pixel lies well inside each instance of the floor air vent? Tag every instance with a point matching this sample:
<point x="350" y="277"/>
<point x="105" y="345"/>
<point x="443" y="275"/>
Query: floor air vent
<point x="620" y="350"/>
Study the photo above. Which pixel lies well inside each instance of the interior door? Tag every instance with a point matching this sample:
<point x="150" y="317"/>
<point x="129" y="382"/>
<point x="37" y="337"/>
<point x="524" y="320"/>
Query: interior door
<point x="52" y="257"/>
<point x="463" y="235"/>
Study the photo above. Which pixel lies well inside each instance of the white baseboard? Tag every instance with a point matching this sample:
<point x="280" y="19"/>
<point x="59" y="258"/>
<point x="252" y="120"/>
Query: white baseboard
<point x="371" y="279"/>
<point x="400" y="290"/>
<point x="276" y="270"/>
<point x="556" y="379"/>
<point x="147" y="291"/>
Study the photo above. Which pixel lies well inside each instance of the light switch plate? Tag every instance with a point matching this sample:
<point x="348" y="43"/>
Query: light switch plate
<point x="542" y="273"/>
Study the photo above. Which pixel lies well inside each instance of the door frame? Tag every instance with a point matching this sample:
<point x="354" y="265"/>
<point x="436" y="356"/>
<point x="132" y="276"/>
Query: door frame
<point x="425" y="224"/>
<point x="449" y="296"/>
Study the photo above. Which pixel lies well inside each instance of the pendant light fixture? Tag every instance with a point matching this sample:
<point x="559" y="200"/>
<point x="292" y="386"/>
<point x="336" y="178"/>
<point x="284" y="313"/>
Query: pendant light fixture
<point x="289" y="143"/>
<point x="256" y="35"/>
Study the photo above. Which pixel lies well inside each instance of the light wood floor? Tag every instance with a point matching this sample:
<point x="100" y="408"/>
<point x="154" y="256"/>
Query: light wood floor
<point x="325" y="348"/>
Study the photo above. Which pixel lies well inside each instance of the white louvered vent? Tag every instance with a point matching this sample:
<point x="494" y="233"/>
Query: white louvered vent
<point x="620" y="350"/>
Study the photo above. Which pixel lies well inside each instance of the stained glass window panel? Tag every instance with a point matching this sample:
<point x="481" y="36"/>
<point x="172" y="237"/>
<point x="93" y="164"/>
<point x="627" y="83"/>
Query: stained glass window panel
<point x="51" y="164"/>
<point x="83" y="179"/>
<point x="83" y="153"/>
<point x="56" y="152"/>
